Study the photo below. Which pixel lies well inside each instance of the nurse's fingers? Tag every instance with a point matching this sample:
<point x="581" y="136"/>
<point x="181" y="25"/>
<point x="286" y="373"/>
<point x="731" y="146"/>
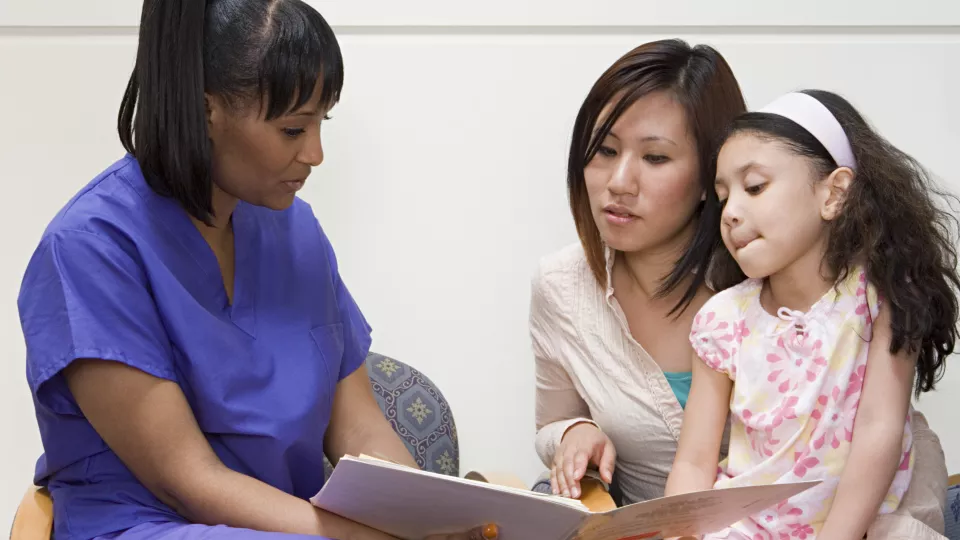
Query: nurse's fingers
<point x="487" y="532"/>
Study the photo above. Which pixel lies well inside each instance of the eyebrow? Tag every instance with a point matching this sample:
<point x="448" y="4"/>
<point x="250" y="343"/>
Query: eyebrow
<point x="749" y="166"/>
<point x="648" y="138"/>
<point x="656" y="138"/>
<point x="741" y="171"/>
<point x="305" y="113"/>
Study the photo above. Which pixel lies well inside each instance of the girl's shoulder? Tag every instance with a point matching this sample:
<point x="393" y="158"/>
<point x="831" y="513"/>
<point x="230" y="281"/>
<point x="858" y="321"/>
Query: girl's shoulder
<point x="726" y="311"/>
<point x="732" y="303"/>
<point x="720" y="326"/>
<point x="854" y="297"/>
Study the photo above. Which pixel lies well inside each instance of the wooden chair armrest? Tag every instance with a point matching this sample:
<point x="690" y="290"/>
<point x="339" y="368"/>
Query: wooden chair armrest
<point x="953" y="480"/>
<point x="594" y="495"/>
<point x="34" y="517"/>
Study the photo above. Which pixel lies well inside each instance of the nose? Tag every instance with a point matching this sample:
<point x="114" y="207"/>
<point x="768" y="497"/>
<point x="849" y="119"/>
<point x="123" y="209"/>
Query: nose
<point x="312" y="151"/>
<point x="732" y="213"/>
<point x="623" y="179"/>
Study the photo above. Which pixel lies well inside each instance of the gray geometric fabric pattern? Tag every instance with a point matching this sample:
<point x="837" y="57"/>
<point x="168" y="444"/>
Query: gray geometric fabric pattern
<point x="418" y="413"/>
<point x="952" y="515"/>
<point x="542" y="484"/>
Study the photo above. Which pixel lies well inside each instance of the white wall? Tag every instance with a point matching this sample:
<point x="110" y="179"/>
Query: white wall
<point x="444" y="179"/>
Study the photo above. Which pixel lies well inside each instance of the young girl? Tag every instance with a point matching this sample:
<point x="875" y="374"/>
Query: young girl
<point x="850" y="303"/>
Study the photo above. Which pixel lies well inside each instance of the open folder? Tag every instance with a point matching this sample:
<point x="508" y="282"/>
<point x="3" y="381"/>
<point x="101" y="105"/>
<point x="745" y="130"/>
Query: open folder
<point x="411" y="504"/>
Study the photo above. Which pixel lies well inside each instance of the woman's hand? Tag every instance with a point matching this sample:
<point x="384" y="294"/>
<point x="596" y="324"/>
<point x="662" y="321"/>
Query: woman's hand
<point x="487" y="532"/>
<point x="582" y="445"/>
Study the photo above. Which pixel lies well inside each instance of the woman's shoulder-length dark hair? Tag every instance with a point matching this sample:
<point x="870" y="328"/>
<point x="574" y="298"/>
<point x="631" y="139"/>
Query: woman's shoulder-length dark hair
<point x="703" y="83"/>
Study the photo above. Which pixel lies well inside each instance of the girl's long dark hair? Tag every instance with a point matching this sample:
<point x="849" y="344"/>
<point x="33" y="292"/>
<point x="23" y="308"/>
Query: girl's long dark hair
<point x="895" y="221"/>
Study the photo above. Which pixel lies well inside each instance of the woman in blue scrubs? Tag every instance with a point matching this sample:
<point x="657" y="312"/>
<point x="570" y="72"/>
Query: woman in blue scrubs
<point x="191" y="347"/>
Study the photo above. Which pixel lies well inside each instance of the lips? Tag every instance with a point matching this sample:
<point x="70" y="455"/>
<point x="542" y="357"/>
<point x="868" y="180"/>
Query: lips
<point x="619" y="211"/>
<point x="740" y="242"/>
<point x="294" y="185"/>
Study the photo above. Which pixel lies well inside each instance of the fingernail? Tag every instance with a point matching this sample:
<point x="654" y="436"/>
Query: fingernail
<point x="576" y="492"/>
<point x="490" y="531"/>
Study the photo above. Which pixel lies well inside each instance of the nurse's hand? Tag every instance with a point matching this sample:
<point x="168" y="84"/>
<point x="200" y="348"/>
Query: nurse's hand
<point x="360" y="532"/>
<point x="487" y="532"/>
<point x="581" y="445"/>
<point x="355" y="531"/>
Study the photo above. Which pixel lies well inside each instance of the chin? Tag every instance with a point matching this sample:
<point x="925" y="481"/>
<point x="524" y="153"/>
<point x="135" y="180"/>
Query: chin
<point x="621" y="238"/>
<point x="622" y="242"/>
<point x="754" y="269"/>
<point x="279" y="204"/>
<point x="753" y="274"/>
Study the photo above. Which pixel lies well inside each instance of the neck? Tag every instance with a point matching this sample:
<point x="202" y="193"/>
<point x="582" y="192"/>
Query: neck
<point x="648" y="268"/>
<point x="219" y="231"/>
<point x="801" y="284"/>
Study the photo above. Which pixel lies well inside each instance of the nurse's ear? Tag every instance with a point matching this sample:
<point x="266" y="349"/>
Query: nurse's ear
<point x="216" y="114"/>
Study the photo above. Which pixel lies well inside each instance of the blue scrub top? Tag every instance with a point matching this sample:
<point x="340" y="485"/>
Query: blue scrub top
<point x="122" y="274"/>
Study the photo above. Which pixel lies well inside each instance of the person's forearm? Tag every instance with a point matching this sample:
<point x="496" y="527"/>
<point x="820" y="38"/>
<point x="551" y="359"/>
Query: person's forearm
<point x="384" y="444"/>
<point x="221" y="496"/>
<point x="871" y="466"/>
<point x="374" y="438"/>
<point x="686" y="477"/>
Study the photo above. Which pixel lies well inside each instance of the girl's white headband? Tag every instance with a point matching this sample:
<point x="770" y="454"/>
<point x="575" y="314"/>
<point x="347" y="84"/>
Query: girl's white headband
<point x="814" y="117"/>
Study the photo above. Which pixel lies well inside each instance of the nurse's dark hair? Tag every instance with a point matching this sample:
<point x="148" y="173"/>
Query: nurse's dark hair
<point x="251" y="53"/>
<point x="896" y="221"/>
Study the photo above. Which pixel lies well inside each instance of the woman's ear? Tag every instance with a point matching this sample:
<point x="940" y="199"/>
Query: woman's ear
<point x="215" y="112"/>
<point x="835" y="189"/>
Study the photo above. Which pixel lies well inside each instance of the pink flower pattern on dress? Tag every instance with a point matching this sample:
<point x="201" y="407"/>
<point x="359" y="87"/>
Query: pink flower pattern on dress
<point x="718" y="333"/>
<point x="797" y="378"/>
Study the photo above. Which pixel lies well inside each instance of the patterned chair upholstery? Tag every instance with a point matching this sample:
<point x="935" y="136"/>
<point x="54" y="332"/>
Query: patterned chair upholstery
<point x="417" y="411"/>
<point x="542" y="484"/>
<point x="952" y="512"/>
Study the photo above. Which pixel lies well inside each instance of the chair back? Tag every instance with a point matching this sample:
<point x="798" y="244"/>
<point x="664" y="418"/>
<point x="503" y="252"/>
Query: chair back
<point x="418" y="413"/>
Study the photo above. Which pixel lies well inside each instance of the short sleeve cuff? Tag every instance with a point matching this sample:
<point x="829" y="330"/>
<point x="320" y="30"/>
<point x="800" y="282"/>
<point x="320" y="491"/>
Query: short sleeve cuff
<point x="713" y="341"/>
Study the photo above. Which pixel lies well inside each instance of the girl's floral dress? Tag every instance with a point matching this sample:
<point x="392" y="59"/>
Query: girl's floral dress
<point x="797" y="379"/>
